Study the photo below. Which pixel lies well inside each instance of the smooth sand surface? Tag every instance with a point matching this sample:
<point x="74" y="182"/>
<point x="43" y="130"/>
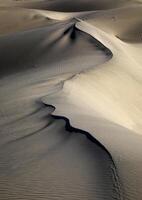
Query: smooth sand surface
<point x="70" y="100"/>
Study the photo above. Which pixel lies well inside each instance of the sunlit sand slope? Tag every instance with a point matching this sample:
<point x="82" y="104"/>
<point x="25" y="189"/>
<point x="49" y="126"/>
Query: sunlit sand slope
<point x="70" y="100"/>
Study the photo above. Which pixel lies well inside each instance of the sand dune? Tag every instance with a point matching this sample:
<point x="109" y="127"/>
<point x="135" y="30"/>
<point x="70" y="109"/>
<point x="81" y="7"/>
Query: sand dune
<point x="70" y="100"/>
<point x="116" y="103"/>
<point x="20" y="19"/>
<point x="37" y="49"/>
<point x="112" y="21"/>
<point x="68" y="5"/>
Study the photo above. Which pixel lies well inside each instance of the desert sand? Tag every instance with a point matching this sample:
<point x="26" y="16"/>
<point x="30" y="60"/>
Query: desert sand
<point x="70" y="100"/>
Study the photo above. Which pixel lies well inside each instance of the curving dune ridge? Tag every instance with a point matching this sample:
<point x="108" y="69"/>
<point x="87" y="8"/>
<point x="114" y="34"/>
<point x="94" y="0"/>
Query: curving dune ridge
<point x="70" y="100"/>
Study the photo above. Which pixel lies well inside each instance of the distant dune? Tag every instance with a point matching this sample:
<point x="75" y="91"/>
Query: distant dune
<point x="70" y="100"/>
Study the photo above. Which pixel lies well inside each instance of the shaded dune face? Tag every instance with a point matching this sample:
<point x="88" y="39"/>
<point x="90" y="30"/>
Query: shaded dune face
<point x="40" y="156"/>
<point x="72" y="6"/>
<point x="53" y="163"/>
<point x="46" y="47"/>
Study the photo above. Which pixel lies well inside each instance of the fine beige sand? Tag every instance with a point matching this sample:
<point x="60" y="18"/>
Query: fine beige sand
<point x="70" y="100"/>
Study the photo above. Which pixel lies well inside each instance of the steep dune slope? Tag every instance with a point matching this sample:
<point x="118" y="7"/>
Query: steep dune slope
<point x="70" y="100"/>
<point x="37" y="49"/>
<point x="111" y="97"/>
<point x="39" y="158"/>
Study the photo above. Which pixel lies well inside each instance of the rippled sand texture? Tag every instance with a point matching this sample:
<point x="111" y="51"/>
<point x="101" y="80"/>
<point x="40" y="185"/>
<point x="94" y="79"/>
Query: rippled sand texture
<point x="70" y="100"/>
